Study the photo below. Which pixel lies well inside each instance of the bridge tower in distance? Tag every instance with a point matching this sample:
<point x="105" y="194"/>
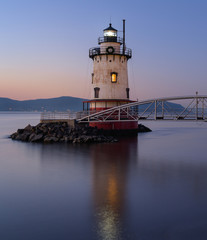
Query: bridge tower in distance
<point x="109" y="80"/>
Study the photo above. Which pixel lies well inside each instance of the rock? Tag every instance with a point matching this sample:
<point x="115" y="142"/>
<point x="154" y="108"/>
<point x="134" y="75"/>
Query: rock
<point x="88" y="139"/>
<point x="20" y="131"/>
<point x="50" y="139"/>
<point x="14" y="135"/>
<point x="31" y="137"/>
<point x="36" y="137"/>
<point x="25" y="136"/>
<point x="47" y="139"/>
<point x="54" y="139"/>
<point x="85" y="132"/>
<point x="18" y="137"/>
<point x="28" y="128"/>
<point x="76" y="140"/>
<point x="70" y="139"/>
<point x="142" y="128"/>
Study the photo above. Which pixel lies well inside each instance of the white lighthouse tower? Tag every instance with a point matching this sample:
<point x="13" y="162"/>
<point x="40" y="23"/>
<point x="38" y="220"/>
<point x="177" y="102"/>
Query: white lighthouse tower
<point x="109" y="84"/>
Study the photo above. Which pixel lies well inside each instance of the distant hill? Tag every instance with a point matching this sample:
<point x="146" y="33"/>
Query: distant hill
<point x="62" y="104"/>
<point x="51" y="104"/>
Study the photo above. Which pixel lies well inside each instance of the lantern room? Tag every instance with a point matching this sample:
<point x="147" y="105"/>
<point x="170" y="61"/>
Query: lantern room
<point x="110" y="34"/>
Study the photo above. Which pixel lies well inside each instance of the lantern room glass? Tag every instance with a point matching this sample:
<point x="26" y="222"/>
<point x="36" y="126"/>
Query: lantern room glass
<point x="110" y="33"/>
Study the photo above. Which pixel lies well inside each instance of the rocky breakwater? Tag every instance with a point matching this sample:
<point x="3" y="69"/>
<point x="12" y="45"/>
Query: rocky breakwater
<point x="142" y="128"/>
<point x="62" y="132"/>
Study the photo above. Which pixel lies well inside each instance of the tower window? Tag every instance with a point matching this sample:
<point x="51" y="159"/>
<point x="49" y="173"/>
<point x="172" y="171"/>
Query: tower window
<point x="114" y="77"/>
<point x="96" y="92"/>
<point x="127" y="92"/>
<point x="92" y="75"/>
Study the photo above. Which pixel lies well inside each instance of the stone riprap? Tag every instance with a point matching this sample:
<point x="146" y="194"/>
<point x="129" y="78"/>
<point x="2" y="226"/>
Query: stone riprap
<point x="62" y="132"/>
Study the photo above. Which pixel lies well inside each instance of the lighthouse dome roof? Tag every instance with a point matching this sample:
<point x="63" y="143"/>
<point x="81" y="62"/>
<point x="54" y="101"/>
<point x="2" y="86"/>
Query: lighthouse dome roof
<point x="110" y="28"/>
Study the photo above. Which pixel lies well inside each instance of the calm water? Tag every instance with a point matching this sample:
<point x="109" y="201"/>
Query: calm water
<point x="153" y="186"/>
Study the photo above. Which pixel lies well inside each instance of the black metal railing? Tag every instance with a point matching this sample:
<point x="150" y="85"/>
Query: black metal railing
<point x="110" y="39"/>
<point x="116" y="51"/>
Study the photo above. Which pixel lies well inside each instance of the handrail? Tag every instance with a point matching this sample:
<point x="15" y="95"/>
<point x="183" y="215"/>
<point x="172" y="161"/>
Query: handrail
<point x="116" y="51"/>
<point x="58" y="115"/>
<point x="110" y="39"/>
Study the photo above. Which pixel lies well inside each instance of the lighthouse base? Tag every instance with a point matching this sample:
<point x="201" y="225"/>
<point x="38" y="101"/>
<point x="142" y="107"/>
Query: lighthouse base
<point x="119" y="125"/>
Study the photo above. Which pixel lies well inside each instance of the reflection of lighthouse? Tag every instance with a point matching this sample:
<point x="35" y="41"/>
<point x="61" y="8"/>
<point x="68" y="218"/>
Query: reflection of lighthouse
<point x="110" y="170"/>
<point x="109" y="86"/>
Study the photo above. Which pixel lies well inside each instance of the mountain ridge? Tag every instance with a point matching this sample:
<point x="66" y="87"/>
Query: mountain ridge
<point x="63" y="103"/>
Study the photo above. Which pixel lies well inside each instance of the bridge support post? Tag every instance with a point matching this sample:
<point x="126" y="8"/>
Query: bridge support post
<point x="155" y="109"/>
<point x="203" y="109"/>
<point x="196" y="105"/>
<point x="162" y="109"/>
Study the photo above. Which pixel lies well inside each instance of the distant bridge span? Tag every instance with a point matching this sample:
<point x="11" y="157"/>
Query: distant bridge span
<point x="192" y="108"/>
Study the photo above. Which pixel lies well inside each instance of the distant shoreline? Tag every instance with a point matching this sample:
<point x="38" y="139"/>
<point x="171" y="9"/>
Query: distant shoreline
<point x="60" y="104"/>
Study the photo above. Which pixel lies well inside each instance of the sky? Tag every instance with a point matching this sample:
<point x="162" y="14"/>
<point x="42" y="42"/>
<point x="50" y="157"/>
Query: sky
<point x="44" y="46"/>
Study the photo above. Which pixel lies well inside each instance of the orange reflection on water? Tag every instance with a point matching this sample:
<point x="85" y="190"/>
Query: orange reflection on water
<point x="113" y="191"/>
<point x="110" y="167"/>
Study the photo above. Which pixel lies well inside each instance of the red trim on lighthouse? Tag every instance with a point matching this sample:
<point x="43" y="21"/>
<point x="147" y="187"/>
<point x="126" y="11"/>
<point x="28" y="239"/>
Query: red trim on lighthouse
<point x="122" y="125"/>
<point x="109" y="100"/>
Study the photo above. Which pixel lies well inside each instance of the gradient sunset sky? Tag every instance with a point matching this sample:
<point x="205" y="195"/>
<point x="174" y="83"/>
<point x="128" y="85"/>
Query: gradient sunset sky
<point x="44" y="46"/>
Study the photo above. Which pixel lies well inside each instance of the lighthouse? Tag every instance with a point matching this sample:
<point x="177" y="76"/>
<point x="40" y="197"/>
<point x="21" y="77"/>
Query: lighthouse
<point x="109" y="79"/>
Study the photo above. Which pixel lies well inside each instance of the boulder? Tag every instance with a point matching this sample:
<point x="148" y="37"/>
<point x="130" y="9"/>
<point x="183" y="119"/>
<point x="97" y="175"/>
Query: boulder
<point x="14" y="135"/>
<point x="28" y="128"/>
<point x="142" y="128"/>
<point x="36" y="137"/>
<point x="31" y="137"/>
<point x="25" y="136"/>
<point x="18" y="137"/>
<point x="50" y="139"/>
<point x="20" y="131"/>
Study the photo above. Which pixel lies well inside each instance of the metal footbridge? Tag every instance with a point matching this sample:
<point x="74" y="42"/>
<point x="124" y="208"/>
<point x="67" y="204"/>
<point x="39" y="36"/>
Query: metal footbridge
<point x="191" y="108"/>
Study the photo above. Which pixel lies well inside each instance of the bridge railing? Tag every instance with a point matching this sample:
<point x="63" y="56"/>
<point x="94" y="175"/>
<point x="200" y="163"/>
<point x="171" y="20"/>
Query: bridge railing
<point x="57" y="115"/>
<point x="154" y="109"/>
<point x="68" y="115"/>
<point x="157" y="109"/>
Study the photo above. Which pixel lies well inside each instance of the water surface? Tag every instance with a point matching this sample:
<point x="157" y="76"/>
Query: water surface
<point x="148" y="187"/>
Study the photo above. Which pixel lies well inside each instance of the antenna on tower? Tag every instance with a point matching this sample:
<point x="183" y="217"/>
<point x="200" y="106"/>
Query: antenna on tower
<point x="123" y="36"/>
